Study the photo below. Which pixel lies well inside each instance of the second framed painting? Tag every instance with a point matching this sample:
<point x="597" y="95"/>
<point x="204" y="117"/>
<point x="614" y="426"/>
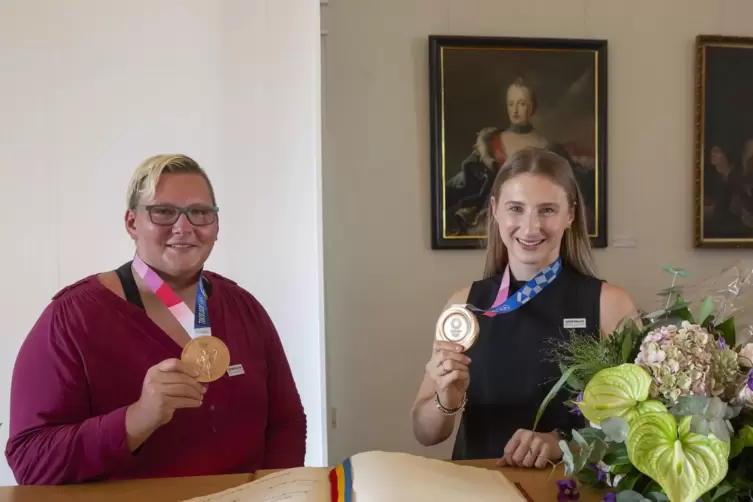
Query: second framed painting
<point x="724" y="142"/>
<point x="489" y="97"/>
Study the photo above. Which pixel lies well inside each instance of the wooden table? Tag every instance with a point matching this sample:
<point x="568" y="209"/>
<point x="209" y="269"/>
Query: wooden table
<point x="537" y="483"/>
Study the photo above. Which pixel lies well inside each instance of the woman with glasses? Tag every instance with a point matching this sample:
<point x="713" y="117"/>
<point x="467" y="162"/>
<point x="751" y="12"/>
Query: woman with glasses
<point x="158" y="368"/>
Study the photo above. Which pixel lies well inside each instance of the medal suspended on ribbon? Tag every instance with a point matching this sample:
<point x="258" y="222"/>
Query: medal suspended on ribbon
<point x="458" y="324"/>
<point x="207" y="352"/>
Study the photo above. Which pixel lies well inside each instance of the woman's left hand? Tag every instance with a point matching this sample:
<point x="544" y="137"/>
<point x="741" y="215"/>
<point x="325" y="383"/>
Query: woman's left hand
<point x="531" y="449"/>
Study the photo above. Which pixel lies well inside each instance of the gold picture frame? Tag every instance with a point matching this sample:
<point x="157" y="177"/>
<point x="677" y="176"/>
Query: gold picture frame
<point x="473" y="127"/>
<point x="723" y="194"/>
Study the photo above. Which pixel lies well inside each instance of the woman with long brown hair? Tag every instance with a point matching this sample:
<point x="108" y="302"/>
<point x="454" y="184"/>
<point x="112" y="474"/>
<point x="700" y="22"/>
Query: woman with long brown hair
<point x="540" y="281"/>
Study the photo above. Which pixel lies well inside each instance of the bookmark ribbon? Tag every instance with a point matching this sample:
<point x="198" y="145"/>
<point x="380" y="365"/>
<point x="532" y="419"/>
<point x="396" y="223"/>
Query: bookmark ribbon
<point x="504" y="304"/>
<point x="196" y="324"/>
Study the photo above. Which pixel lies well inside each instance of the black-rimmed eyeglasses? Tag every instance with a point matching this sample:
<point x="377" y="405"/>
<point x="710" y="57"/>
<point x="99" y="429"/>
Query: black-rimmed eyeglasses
<point x="166" y="215"/>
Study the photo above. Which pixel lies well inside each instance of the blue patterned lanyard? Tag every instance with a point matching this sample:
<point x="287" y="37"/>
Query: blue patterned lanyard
<point x="504" y="304"/>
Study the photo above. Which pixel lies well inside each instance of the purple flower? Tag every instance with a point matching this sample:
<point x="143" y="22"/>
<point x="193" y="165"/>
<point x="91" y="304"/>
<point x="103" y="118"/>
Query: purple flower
<point x="750" y="386"/>
<point x="575" y="410"/>
<point x="567" y="490"/>
<point x="601" y="474"/>
<point x="722" y="344"/>
<point x="609" y="497"/>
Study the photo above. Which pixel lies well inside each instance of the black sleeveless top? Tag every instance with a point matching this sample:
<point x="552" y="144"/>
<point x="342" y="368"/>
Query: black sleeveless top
<point x="509" y="377"/>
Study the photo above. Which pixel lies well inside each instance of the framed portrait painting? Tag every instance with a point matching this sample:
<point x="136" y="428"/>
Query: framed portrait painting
<point x="724" y="142"/>
<point x="491" y="96"/>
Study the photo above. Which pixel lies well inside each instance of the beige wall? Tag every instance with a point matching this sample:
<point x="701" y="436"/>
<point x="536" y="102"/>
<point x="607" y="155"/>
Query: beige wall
<point x="384" y="286"/>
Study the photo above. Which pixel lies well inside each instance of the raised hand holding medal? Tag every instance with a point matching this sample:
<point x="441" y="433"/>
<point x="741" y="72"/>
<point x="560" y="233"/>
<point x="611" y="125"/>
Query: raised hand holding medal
<point x="458" y="323"/>
<point x="457" y="331"/>
<point x="208" y="353"/>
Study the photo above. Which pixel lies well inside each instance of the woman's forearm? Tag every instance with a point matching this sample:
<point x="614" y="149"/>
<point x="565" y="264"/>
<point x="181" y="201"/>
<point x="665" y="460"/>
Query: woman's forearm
<point x="430" y="425"/>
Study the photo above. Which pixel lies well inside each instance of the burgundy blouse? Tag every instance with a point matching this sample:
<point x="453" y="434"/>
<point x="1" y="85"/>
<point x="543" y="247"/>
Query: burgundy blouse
<point x="83" y="364"/>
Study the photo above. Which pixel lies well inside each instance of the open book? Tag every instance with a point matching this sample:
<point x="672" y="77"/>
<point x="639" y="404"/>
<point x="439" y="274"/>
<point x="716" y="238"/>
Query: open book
<point x="376" y="477"/>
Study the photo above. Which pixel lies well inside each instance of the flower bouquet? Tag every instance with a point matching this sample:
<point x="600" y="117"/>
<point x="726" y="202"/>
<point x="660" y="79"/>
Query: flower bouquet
<point x="668" y="399"/>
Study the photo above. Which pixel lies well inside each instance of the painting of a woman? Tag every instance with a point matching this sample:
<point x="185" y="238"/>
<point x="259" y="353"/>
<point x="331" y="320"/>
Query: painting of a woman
<point x="467" y="193"/>
<point x="494" y="96"/>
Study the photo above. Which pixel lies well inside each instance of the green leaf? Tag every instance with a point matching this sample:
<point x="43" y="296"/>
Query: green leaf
<point x="652" y="486"/>
<point x="616" y="429"/>
<point x="588" y="477"/>
<point x="720" y="429"/>
<point x="581" y="458"/>
<point x="621" y="468"/>
<point x="679" y="271"/>
<point x="573" y="381"/>
<point x="615" y="392"/>
<point x="627" y="346"/>
<point x="657" y="497"/>
<point x="715" y="410"/>
<point x="736" y="447"/>
<point x="721" y="490"/>
<point x="558" y="386"/>
<point x="670" y="291"/>
<point x="706" y="307"/>
<point x="629" y="481"/>
<point x="690" y="405"/>
<point x="617" y="455"/>
<point x="742" y="484"/>
<point x="599" y="448"/>
<point x="682" y="311"/>
<point x="727" y="329"/>
<point x="567" y="458"/>
<point x="686" y="465"/>
<point x="683" y="273"/>
<point x="699" y="425"/>
<point x="629" y="496"/>
<point x="746" y="435"/>
<point x="580" y="440"/>
<point x="591" y="434"/>
<point x="732" y="411"/>
<point x="680" y="305"/>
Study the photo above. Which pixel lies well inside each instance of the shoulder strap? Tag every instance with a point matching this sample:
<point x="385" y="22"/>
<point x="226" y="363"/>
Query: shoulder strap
<point x="131" y="291"/>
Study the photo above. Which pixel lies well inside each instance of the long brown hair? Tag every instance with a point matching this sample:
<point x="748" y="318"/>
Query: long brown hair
<point x="575" y="248"/>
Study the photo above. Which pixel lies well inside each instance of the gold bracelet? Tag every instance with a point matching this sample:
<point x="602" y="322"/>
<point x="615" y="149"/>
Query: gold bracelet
<point x="446" y="411"/>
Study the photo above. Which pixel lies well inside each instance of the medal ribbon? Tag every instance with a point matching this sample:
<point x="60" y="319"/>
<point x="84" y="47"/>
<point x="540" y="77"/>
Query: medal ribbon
<point x="503" y="304"/>
<point x="195" y="324"/>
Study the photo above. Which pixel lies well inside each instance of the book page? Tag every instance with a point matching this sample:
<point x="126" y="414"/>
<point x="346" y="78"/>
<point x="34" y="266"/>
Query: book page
<point x="302" y="484"/>
<point x="399" y="477"/>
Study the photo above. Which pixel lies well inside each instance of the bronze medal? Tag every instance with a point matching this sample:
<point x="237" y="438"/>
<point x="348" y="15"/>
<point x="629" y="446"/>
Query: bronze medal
<point x="209" y="354"/>
<point x="457" y="324"/>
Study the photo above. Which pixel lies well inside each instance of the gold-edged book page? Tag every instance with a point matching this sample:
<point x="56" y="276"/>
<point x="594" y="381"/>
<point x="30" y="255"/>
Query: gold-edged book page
<point x="400" y="477"/>
<point x="300" y="484"/>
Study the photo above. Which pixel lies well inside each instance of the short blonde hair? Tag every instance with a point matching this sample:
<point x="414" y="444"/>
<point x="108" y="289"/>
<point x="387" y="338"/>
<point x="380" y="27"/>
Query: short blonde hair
<point x="144" y="180"/>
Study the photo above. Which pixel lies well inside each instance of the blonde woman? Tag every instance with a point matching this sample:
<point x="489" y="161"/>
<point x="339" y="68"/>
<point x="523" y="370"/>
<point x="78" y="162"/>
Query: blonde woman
<point x="538" y="234"/>
<point x="99" y="388"/>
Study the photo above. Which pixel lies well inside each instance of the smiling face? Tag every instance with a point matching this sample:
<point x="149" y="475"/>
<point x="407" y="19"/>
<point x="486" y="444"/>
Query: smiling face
<point x="178" y="250"/>
<point x="532" y="213"/>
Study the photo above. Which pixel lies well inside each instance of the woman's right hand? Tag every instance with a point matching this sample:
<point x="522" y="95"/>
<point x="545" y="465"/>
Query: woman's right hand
<point x="167" y="386"/>
<point x="448" y="369"/>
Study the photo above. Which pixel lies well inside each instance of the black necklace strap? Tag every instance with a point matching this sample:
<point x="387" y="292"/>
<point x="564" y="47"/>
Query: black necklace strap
<point x="131" y="291"/>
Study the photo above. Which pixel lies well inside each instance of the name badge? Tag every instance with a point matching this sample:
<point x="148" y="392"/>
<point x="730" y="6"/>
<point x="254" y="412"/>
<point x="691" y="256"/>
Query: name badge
<point x="235" y="370"/>
<point x="574" y="323"/>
